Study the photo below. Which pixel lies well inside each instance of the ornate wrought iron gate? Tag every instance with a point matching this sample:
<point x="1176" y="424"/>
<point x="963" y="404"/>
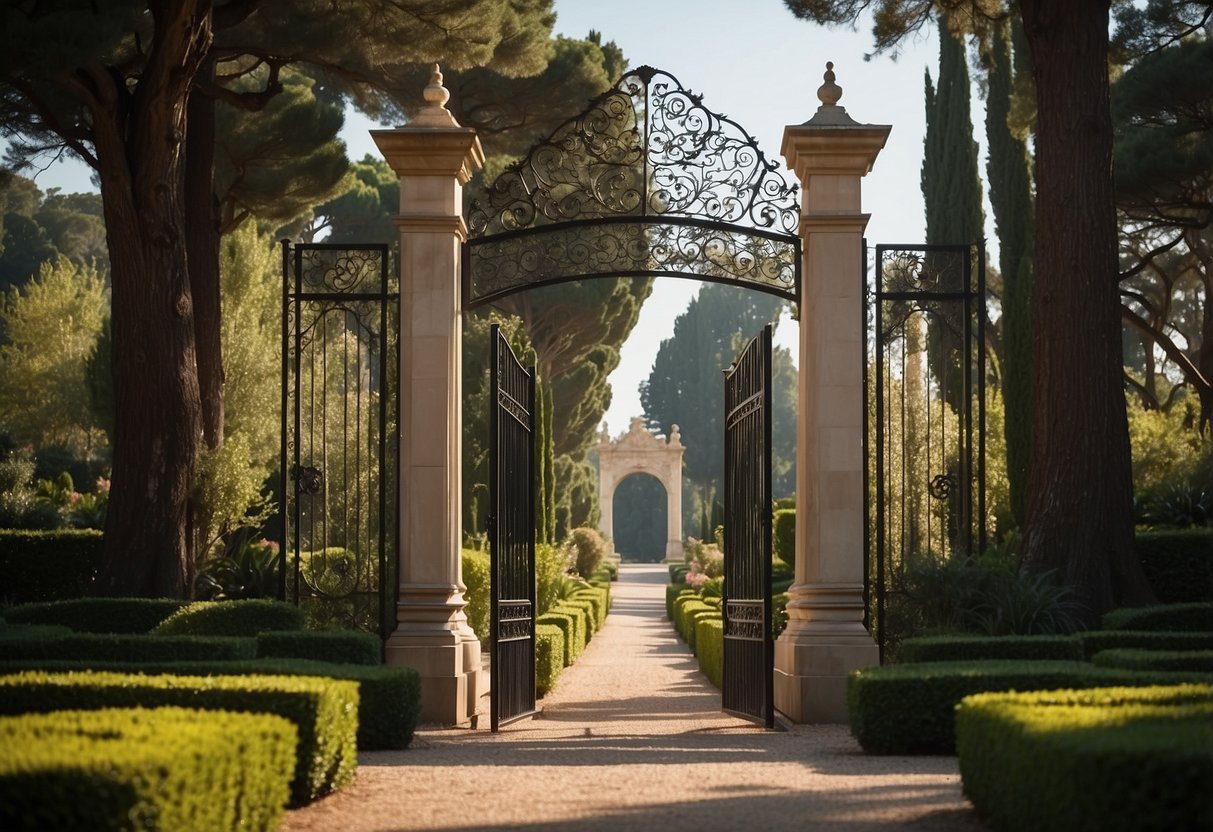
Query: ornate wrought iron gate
<point x="339" y="441"/>
<point x="926" y="430"/>
<point x="511" y="534"/>
<point x="749" y="653"/>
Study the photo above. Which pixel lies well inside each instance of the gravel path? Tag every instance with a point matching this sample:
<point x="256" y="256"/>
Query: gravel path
<point x="633" y="739"/>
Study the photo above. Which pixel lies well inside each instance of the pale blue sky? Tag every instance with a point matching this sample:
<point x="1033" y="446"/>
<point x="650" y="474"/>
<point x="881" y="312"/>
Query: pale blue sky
<point x="759" y="65"/>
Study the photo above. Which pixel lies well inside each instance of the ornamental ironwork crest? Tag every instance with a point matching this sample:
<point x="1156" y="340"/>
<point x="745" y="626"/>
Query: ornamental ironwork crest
<point x="646" y="182"/>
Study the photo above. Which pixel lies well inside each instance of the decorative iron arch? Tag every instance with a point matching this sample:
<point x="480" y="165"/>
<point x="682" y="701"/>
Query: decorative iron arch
<point x="647" y="182"/>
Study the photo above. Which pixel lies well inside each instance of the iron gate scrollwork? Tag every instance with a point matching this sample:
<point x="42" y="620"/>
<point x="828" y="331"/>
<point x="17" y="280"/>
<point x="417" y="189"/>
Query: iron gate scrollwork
<point x="511" y="534"/>
<point x="926" y="431"/>
<point x="646" y="182"/>
<point x="339" y="441"/>
<point x="749" y="652"/>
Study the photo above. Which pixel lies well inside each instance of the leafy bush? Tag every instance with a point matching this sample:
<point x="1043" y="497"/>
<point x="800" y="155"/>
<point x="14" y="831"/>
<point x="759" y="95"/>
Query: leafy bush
<point x="165" y="768"/>
<point x="336" y="646"/>
<point x="324" y="710"/>
<point x="978" y="648"/>
<point x="783" y="536"/>
<point x="1178" y="563"/>
<point x="1119" y="759"/>
<point x="707" y="556"/>
<point x="709" y="640"/>
<point x="48" y="565"/>
<point x="98" y="615"/>
<point x="231" y="618"/>
<point x="249" y="569"/>
<point x="1194" y="617"/>
<point x="1178" y="505"/>
<point x="477" y="580"/>
<point x="587" y="548"/>
<point x="549" y="657"/>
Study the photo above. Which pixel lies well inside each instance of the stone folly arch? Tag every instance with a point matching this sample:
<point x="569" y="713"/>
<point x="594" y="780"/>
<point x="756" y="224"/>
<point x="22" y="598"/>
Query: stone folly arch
<point x="666" y="187"/>
<point x="640" y="452"/>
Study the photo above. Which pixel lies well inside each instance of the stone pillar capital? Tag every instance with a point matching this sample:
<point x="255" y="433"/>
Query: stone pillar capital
<point x="431" y="151"/>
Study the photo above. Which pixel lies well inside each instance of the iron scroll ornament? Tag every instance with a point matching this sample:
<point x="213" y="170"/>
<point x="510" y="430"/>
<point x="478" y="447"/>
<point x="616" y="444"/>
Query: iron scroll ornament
<point x="646" y="182"/>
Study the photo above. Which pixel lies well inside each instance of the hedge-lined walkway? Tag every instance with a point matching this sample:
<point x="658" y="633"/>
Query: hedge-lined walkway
<point x="633" y="739"/>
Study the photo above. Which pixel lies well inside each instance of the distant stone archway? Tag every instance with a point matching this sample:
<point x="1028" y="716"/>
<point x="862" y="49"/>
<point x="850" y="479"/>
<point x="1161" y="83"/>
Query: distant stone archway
<point x="640" y="452"/>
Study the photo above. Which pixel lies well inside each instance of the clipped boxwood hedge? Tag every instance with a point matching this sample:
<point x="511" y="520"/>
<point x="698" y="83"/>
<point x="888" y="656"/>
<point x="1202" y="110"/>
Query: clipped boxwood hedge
<point x="98" y="615"/>
<point x="567" y="624"/>
<point x="709" y="640"/>
<point x="598" y="601"/>
<point x="581" y="630"/>
<point x="1096" y="641"/>
<point x="587" y="607"/>
<point x="164" y="768"/>
<point x="231" y="618"/>
<point x="957" y="648"/>
<point x="324" y="710"/>
<point x="908" y="708"/>
<point x="1106" y="759"/>
<point x="783" y="535"/>
<point x="1190" y="661"/>
<point x="120" y="647"/>
<point x="672" y="593"/>
<point x="1178" y="563"/>
<point x="549" y="657"/>
<point x="389" y="697"/>
<point x="48" y="565"/>
<point x="1190" y="617"/>
<point x="337" y="646"/>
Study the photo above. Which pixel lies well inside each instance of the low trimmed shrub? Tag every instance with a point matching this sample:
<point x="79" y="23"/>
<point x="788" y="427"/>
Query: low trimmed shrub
<point x="580" y="626"/>
<point x="120" y="647"/>
<point x="908" y="708"/>
<point x="389" y="697"/>
<point x="597" y="597"/>
<point x="567" y="625"/>
<point x="98" y="615"/>
<point x="324" y="710"/>
<point x="231" y="618"/>
<point x="164" y="768"/>
<point x="672" y="592"/>
<point x="41" y="566"/>
<point x="591" y="617"/>
<point x="783" y="535"/>
<point x="971" y="648"/>
<point x="1107" y="759"/>
<point x="336" y="646"/>
<point x="549" y="657"/>
<point x="33" y="632"/>
<point x="709" y="638"/>
<point x="476" y="579"/>
<point x="1178" y="563"/>
<point x="1096" y="641"/>
<point x="1177" y="661"/>
<point x="1192" y="617"/>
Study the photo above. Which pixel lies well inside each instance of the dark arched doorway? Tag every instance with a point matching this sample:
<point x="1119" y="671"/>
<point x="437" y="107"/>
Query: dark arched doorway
<point x="640" y="512"/>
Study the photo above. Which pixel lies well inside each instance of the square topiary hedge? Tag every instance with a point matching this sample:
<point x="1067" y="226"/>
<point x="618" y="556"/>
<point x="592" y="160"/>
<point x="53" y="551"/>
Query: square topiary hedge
<point x="600" y="598"/>
<point x="163" y="768"/>
<point x="1102" y="759"/>
<point x="709" y="641"/>
<point x="567" y="624"/>
<point x="672" y="593"/>
<point x="336" y="646"/>
<point x="324" y="710"/>
<point x="580" y="625"/>
<point x="389" y="697"/>
<point x="978" y="648"/>
<point x="587" y="607"/>
<point x="98" y="615"/>
<point x="909" y="708"/>
<point x="549" y="657"/>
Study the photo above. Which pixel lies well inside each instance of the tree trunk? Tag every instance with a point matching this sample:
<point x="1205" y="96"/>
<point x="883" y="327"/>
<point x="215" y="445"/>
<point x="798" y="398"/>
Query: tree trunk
<point x="1079" y="513"/>
<point x="139" y="139"/>
<point x="202" y="248"/>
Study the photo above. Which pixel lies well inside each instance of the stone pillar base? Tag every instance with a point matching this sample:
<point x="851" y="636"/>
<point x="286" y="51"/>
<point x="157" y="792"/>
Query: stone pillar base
<point x="811" y="668"/>
<point x="452" y="680"/>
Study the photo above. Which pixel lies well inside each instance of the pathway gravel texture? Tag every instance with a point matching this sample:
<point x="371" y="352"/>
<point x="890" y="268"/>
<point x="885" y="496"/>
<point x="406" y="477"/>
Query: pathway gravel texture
<point x="633" y="739"/>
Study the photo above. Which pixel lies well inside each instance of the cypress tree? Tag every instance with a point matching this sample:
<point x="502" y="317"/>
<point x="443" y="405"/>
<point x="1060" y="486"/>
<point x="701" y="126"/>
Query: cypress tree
<point x="1009" y="176"/>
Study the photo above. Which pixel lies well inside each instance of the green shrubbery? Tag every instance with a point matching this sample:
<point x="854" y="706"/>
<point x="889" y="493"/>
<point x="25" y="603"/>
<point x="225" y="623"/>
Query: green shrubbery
<point x="337" y="646"/>
<point x="709" y="641"/>
<point x="549" y="657"/>
<point x="1173" y="661"/>
<point x="1096" y="641"/>
<point x="48" y="565"/>
<point x="232" y="618"/>
<point x="165" y="768"/>
<point x="979" y="648"/>
<point x="1178" y="563"/>
<point x="587" y="550"/>
<point x="1192" y="617"/>
<point x="323" y="710"/>
<point x="1119" y="759"/>
<point x="98" y="615"/>
<point x="122" y="647"/>
<point x="783" y="535"/>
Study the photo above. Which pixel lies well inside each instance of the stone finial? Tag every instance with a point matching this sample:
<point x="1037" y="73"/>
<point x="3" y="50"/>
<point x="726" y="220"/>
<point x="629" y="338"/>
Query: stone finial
<point x="829" y="92"/>
<point x="829" y="114"/>
<point x="435" y="113"/>
<point x="675" y="436"/>
<point x="605" y="436"/>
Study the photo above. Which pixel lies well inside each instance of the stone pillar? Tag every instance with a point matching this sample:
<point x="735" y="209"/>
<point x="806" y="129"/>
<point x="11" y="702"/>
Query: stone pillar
<point x="825" y="638"/>
<point x="673" y="486"/>
<point x="433" y="156"/>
